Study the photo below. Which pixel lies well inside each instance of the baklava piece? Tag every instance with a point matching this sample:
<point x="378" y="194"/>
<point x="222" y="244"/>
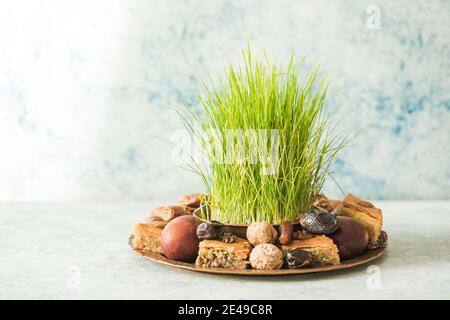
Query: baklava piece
<point x="322" y="249"/>
<point x="146" y="237"/>
<point x="365" y="213"/>
<point x="219" y="254"/>
<point x="326" y="204"/>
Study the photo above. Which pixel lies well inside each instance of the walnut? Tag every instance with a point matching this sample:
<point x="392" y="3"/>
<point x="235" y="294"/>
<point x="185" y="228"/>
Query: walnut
<point x="266" y="256"/>
<point x="261" y="232"/>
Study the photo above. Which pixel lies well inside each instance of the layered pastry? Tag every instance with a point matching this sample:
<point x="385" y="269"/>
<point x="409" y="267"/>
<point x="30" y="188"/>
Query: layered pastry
<point x="365" y="213"/>
<point x="327" y="204"/>
<point x="219" y="254"/>
<point x="322" y="249"/>
<point x="146" y="237"/>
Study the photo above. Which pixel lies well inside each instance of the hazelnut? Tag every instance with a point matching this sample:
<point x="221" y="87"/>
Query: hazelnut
<point x="261" y="232"/>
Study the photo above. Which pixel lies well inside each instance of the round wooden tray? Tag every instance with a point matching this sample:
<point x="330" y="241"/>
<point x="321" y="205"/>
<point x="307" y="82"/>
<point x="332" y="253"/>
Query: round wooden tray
<point x="362" y="259"/>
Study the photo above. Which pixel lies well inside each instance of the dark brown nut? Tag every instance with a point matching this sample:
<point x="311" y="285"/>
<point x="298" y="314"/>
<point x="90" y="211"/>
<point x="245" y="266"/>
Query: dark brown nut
<point x="168" y="213"/>
<point x="297" y="258"/>
<point x="381" y="242"/>
<point x="286" y="232"/>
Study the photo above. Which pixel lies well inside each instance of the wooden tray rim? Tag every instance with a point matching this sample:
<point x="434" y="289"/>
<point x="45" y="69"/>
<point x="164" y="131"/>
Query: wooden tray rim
<point x="360" y="260"/>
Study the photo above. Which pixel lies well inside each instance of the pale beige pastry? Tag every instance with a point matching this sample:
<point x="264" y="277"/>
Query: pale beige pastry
<point x="365" y="213"/>
<point x="322" y="249"/>
<point x="146" y="237"/>
<point x="219" y="254"/>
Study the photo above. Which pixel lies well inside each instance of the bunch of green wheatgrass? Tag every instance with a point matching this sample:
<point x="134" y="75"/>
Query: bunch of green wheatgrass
<point x="267" y="138"/>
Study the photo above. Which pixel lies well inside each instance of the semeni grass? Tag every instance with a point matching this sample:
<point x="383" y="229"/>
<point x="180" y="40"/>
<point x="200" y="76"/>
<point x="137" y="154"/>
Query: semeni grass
<point x="267" y="139"/>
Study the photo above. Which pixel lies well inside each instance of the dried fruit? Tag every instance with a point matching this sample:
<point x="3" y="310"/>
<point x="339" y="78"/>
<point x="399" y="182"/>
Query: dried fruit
<point x="209" y="230"/>
<point x="319" y="222"/>
<point x="261" y="232"/>
<point x="351" y="238"/>
<point x="297" y="258"/>
<point x="380" y="242"/>
<point x="286" y="231"/>
<point x="266" y="256"/>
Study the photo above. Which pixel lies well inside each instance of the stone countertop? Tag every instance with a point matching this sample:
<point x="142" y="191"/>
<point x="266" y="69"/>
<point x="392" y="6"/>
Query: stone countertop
<point x="80" y="251"/>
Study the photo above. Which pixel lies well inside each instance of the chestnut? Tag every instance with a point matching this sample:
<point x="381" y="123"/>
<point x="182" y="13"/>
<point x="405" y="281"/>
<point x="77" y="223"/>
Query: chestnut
<point x="179" y="239"/>
<point x="351" y="238"/>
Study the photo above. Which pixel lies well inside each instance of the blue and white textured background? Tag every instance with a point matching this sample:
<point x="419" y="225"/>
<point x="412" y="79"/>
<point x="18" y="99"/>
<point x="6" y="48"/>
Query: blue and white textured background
<point x="84" y="85"/>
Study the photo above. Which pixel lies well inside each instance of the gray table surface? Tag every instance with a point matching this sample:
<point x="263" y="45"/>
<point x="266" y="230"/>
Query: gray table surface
<point x="80" y="251"/>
